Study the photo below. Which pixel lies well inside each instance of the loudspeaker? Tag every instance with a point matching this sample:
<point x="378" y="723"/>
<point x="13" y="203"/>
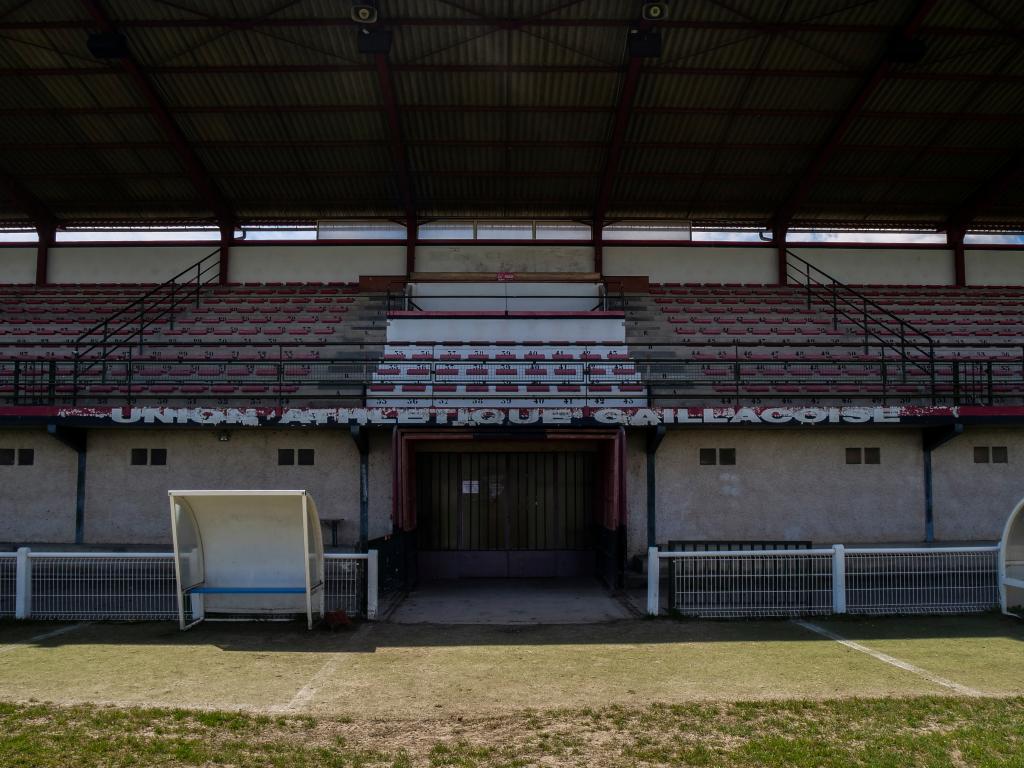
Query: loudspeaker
<point x="654" y="11"/>
<point x="364" y="14"/>
<point x="374" y="40"/>
<point x="644" y="43"/>
<point x="107" y="45"/>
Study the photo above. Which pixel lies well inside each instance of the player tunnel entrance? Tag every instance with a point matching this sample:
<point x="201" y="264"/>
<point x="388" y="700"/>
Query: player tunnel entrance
<point x="529" y="508"/>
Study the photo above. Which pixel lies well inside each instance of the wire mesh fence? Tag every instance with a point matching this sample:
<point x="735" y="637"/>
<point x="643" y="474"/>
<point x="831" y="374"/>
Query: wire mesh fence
<point x="734" y="584"/>
<point x="126" y="587"/>
<point x="8" y="583"/>
<point x="922" y="581"/>
<point x="345" y="584"/>
<point x="99" y="586"/>
<point x="835" y="580"/>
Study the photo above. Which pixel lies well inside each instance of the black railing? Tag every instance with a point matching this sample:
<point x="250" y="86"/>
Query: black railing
<point x="873" y="321"/>
<point x="662" y="374"/>
<point x="129" y="323"/>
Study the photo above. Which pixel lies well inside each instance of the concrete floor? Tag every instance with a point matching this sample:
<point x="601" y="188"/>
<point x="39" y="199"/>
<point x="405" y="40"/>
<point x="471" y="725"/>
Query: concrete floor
<point x="510" y="601"/>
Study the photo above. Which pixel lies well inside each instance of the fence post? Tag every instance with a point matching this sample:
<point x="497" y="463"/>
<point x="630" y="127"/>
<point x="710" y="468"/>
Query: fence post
<point x="371" y="584"/>
<point x="23" y="585"/>
<point x="838" y="578"/>
<point x="653" y="581"/>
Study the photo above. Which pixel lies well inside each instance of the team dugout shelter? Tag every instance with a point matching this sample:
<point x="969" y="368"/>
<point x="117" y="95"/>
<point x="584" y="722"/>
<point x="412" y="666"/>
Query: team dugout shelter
<point x="514" y="289"/>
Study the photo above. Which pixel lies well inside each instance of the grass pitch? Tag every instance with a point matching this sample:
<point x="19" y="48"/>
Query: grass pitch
<point x="828" y="734"/>
<point x="622" y="694"/>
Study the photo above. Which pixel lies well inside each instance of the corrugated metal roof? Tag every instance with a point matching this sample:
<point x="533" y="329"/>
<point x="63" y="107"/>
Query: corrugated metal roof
<point x="508" y="109"/>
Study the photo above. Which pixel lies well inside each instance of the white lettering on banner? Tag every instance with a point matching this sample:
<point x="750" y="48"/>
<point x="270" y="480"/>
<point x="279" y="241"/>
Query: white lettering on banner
<point x="414" y="416"/>
<point x="490" y="416"/>
<point x="125" y="415"/>
<point x="746" y="415"/>
<point x="522" y="416"/>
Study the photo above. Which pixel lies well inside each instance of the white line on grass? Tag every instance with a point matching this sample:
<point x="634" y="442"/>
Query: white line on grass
<point x="961" y="689"/>
<point x="45" y="636"/>
<point x="304" y="696"/>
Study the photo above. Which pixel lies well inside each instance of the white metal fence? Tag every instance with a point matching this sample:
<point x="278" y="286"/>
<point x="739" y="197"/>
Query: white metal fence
<point x="774" y="583"/>
<point x="347" y="580"/>
<point x="140" y="586"/>
<point x="822" y="581"/>
<point x="80" y="586"/>
<point x="8" y="583"/>
<point x="947" y="580"/>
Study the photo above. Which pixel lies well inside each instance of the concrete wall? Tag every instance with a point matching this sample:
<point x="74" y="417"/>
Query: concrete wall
<point x="37" y="503"/>
<point x="135" y="264"/>
<point x="791" y="485"/>
<point x="888" y="266"/>
<point x="17" y="265"/>
<point x="693" y="264"/>
<point x="128" y="504"/>
<point x="636" y="493"/>
<point x="322" y="263"/>
<point x="504" y="258"/>
<point x="786" y="484"/>
<point x="345" y="263"/>
<point x="994" y="267"/>
<point x="972" y="501"/>
<point x="381" y="483"/>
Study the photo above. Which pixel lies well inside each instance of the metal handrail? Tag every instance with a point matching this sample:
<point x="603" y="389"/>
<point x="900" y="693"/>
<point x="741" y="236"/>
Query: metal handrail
<point x="43" y="382"/>
<point x="833" y="281"/>
<point x="811" y="280"/>
<point x="138" y="321"/>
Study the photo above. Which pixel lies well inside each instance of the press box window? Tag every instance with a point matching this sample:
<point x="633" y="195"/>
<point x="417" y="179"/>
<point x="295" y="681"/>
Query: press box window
<point x="863" y="456"/>
<point x="154" y="457"/>
<point x="709" y="457"/>
<point x="289" y="457"/>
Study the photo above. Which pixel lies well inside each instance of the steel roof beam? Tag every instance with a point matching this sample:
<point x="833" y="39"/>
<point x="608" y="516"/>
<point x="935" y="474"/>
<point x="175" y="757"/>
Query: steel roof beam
<point x="399" y="154"/>
<point x="204" y="185"/>
<point x="243" y="109"/>
<point x="551" y="69"/>
<point x="29" y="146"/>
<point x="882" y="69"/>
<point x="961" y="218"/>
<point x="35" y="209"/>
<point x="244" y="24"/>
<point x="613" y="154"/>
<point x="41" y="217"/>
<point x="601" y="207"/>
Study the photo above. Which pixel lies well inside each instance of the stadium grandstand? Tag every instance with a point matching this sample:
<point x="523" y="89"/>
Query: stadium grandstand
<point x="517" y="288"/>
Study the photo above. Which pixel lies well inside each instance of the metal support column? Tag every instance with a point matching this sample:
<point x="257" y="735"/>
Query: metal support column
<point x="932" y="438"/>
<point x="654" y="438"/>
<point x="75" y="439"/>
<point x="361" y="436"/>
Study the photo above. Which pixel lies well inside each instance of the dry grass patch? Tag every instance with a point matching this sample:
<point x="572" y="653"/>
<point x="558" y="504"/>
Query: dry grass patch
<point x="926" y="731"/>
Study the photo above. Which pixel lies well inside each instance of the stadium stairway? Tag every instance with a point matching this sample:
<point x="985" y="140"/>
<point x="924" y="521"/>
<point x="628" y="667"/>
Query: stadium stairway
<point x="548" y="345"/>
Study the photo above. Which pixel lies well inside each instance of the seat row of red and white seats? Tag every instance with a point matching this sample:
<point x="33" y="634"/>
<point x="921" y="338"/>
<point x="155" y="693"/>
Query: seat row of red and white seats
<point x="779" y="313"/>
